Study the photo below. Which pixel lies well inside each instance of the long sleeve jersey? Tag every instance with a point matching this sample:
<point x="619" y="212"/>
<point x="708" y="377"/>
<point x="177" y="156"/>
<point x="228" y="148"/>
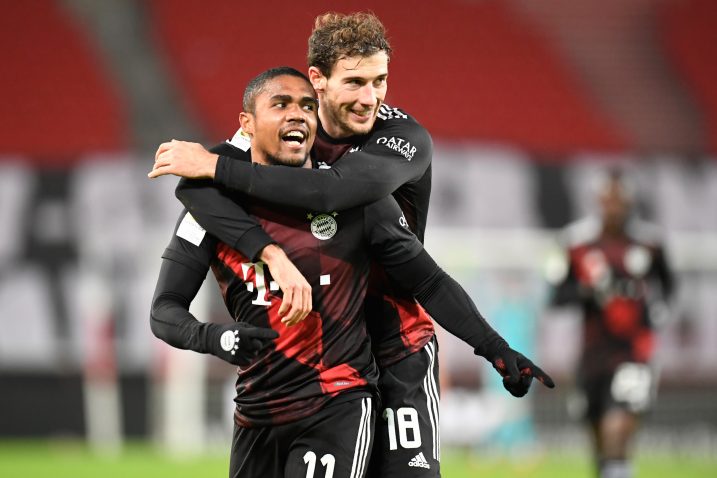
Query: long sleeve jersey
<point x="394" y="158"/>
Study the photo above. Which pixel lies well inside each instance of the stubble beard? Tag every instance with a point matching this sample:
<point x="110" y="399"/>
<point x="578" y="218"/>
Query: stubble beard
<point x="294" y="163"/>
<point x="339" y="117"/>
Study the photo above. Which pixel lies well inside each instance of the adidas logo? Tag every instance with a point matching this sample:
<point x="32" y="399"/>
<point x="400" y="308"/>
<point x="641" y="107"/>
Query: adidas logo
<point x="419" y="461"/>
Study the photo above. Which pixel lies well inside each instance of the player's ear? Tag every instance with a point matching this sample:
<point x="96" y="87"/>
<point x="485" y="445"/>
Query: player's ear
<point x="247" y="122"/>
<point x="318" y="80"/>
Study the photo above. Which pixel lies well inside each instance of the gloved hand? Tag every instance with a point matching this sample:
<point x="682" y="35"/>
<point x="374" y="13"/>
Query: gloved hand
<point x="237" y="343"/>
<point x="517" y="371"/>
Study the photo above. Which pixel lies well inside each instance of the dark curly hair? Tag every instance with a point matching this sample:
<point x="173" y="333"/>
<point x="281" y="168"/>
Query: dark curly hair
<point x="336" y="36"/>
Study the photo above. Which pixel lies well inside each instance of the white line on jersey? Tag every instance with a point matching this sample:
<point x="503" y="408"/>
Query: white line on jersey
<point x="363" y="440"/>
<point x="432" y="400"/>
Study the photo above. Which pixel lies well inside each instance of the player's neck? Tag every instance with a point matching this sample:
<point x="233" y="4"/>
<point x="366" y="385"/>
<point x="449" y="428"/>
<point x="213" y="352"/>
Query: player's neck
<point x="327" y="125"/>
<point x="259" y="157"/>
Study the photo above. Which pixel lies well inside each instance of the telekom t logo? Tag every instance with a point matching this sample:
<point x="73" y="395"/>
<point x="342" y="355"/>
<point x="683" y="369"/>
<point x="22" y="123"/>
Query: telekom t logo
<point x="258" y="282"/>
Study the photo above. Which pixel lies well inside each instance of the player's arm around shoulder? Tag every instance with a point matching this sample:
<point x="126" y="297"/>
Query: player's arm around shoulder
<point x="183" y="158"/>
<point x="394" y="153"/>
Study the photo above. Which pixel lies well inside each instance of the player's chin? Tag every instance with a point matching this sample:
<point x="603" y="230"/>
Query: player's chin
<point x="292" y="157"/>
<point x="361" y="127"/>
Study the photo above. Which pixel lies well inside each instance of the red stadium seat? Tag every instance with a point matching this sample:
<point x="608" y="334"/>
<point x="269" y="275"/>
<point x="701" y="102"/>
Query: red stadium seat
<point x="466" y="70"/>
<point x="58" y="102"/>
<point x="689" y="32"/>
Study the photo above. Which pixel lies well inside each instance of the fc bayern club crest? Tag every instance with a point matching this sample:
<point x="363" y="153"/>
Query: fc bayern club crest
<point x="323" y="226"/>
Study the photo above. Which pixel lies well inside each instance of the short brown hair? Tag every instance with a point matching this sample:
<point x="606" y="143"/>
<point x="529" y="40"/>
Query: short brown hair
<point x="336" y="35"/>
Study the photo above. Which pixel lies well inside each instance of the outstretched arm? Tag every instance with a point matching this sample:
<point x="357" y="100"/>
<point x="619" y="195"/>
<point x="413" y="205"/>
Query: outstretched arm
<point x="449" y="304"/>
<point x="410" y="266"/>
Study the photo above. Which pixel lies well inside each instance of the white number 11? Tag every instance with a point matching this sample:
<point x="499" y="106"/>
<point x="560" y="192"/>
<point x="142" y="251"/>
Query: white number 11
<point x="327" y="460"/>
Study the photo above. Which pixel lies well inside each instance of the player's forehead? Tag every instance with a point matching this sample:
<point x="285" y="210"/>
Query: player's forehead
<point x="287" y="87"/>
<point x="371" y="66"/>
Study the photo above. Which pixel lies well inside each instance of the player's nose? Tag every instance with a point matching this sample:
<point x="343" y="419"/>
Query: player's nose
<point x="295" y="113"/>
<point x="367" y="95"/>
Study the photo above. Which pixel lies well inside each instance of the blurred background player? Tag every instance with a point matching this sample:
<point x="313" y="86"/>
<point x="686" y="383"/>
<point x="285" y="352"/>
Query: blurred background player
<point x="617" y="272"/>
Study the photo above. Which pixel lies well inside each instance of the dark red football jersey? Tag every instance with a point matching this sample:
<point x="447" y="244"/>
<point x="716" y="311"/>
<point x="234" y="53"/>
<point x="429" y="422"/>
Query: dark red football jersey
<point x="615" y="280"/>
<point x="393" y="158"/>
<point x="398" y="325"/>
<point x="328" y="355"/>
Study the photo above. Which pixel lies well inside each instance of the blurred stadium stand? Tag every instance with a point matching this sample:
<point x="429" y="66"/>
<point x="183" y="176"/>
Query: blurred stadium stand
<point x="687" y="32"/>
<point x="526" y="102"/>
<point x="58" y="99"/>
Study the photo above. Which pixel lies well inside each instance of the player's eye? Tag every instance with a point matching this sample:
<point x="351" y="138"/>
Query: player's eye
<point x="310" y="107"/>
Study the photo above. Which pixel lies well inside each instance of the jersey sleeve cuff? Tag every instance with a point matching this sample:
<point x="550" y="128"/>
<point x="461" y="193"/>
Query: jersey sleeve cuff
<point x="488" y="345"/>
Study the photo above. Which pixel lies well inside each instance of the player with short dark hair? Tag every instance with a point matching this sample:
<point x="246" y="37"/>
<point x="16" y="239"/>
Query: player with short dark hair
<point x="617" y="272"/>
<point x="366" y="150"/>
<point x="304" y="391"/>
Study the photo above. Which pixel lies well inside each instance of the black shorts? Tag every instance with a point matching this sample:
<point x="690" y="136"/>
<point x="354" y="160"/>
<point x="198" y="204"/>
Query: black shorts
<point x="336" y="442"/>
<point x="407" y="429"/>
<point x="630" y="387"/>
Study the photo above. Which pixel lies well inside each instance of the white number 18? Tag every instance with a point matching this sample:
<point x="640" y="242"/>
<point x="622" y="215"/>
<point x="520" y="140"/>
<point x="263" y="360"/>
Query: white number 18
<point x="407" y="419"/>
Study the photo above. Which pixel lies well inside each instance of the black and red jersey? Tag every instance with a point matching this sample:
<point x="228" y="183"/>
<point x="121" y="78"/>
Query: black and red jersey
<point x="615" y="279"/>
<point x="328" y="353"/>
<point x="398" y="325"/>
<point x="393" y="158"/>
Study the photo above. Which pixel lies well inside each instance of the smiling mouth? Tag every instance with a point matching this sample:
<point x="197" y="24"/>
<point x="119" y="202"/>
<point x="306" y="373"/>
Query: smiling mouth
<point x="362" y="114"/>
<point x="294" y="138"/>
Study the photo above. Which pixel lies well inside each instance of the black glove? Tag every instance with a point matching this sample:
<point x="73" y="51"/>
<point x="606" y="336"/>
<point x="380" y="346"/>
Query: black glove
<point x="517" y="371"/>
<point x="238" y="343"/>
